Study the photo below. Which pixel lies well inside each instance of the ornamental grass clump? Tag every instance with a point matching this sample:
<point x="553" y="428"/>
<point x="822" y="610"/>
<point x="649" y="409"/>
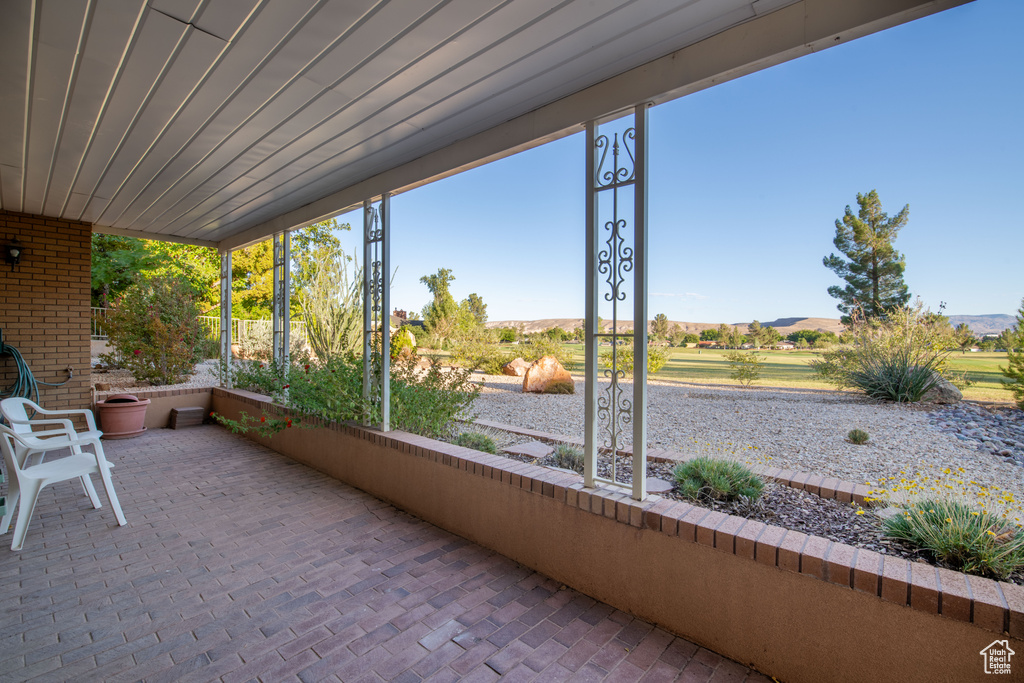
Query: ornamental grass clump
<point x="567" y="457"/>
<point x="707" y="479"/>
<point x="961" y="537"/>
<point x="857" y="436"/>
<point x="476" y="441"/>
<point x="962" y="523"/>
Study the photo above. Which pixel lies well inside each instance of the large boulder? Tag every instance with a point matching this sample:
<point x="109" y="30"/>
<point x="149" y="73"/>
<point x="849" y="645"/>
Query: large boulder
<point x="943" y="392"/>
<point x="516" y="368"/>
<point x="547" y="376"/>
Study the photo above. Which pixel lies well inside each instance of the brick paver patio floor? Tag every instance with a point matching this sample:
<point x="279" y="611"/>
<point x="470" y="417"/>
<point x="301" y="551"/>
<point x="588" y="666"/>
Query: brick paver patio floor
<point x="238" y="564"/>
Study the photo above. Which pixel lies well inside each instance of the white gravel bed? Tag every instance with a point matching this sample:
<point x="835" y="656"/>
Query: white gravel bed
<point x="790" y="428"/>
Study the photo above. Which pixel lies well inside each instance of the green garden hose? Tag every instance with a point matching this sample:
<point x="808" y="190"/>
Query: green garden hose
<point x="25" y="385"/>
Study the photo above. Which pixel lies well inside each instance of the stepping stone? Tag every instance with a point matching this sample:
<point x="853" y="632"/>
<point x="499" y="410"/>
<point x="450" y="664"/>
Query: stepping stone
<point x="655" y="485"/>
<point x="533" y="449"/>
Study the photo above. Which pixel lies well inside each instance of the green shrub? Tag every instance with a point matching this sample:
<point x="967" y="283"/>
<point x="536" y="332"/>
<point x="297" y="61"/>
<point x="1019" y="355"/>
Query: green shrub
<point x="899" y="358"/>
<point x="709" y="479"/>
<point x="858" y="436"/>
<point x="155" y="331"/>
<point x="965" y="539"/>
<point x="568" y="457"/>
<point x="430" y="402"/>
<point x="541" y="345"/>
<point x="476" y="441"/>
<point x="403" y="339"/>
<point x="478" y="354"/>
<point x="427" y="402"/>
<point x="656" y="358"/>
<point x="745" y="367"/>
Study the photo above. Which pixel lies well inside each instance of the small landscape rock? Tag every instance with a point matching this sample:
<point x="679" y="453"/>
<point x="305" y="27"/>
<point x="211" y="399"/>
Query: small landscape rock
<point x="516" y="368"/>
<point x="944" y="392"/>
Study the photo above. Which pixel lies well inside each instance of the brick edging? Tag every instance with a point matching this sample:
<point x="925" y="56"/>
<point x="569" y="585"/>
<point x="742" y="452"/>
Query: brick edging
<point x="993" y="605"/>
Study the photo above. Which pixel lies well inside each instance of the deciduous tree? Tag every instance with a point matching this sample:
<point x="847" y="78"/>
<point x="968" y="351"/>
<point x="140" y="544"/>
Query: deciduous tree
<point x="440" y="316"/>
<point x="872" y="268"/>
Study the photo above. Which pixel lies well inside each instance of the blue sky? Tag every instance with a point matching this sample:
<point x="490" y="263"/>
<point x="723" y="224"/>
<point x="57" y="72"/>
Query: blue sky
<point x="749" y="177"/>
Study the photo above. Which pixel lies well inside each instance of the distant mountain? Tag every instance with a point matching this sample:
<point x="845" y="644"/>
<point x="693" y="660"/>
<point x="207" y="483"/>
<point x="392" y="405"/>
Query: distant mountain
<point x="783" y="325"/>
<point x="979" y="324"/>
<point x="984" y="324"/>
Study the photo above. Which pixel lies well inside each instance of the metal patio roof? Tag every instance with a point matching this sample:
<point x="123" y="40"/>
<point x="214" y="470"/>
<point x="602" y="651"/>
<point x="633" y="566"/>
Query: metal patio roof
<point x="221" y="122"/>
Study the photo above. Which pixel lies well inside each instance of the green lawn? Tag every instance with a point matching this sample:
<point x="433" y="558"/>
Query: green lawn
<point x="790" y="369"/>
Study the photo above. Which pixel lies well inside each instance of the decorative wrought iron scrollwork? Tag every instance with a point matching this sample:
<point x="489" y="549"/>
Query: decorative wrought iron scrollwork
<point x="617" y="174"/>
<point x="614" y="261"/>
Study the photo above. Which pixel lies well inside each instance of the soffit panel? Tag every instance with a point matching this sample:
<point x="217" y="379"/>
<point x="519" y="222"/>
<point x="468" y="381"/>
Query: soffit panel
<point x="205" y="118"/>
<point x="461" y="101"/>
<point x="380" y="120"/>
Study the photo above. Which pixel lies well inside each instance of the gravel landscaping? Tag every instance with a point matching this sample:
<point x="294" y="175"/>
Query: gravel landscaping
<point x="796" y="429"/>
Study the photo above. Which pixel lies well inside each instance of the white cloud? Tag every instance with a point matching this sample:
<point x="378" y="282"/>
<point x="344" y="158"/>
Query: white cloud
<point x="684" y="295"/>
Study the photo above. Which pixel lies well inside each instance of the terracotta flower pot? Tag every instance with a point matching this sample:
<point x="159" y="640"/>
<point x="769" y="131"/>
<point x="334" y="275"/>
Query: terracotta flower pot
<point x="122" y="416"/>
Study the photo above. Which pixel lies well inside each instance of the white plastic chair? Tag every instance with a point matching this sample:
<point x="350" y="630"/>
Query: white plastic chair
<point x="16" y="411"/>
<point x="26" y="481"/>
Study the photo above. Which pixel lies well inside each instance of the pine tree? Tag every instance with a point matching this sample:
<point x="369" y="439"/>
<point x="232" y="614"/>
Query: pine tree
<point x="1014" y="370"/>
<point x="659" y="328"/>
<point x="872" y="269"/>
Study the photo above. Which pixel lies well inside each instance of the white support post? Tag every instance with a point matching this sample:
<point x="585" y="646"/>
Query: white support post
<point x="367" y="300"/>
<point x="225" y="319"/>
<point x="590" y="338"/>
<point x="377" y="307"/>
<point x="640" y="349"/>
<point x="616" y="167"/>
<point x="385" y="312"/>
<point x="282" y="298"/>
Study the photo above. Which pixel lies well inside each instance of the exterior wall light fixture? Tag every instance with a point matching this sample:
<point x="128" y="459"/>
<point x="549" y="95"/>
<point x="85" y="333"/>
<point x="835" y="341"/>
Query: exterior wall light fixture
<point x="13" y="251"/>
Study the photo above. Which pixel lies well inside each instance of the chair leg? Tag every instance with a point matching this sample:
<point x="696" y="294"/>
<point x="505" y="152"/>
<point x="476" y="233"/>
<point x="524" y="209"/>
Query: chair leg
<point x="90" y="491"/>
<point x="13" y="494"/>
<point x="108" y="484"/>
<point x="28" y="506"/>
<point x="87" y="486"/>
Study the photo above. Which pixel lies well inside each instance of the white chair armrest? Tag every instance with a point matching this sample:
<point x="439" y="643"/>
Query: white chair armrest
<point x="69" y="429"/>
<point x="87" y="414"/>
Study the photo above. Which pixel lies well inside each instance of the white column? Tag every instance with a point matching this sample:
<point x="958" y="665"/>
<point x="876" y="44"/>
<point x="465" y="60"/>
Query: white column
<point x="590" y="330"/>
<point x="225" y="319"/>
<point x="384" y="272"/>
<point x="282" y="298"/>
<point x="640" y="304"/>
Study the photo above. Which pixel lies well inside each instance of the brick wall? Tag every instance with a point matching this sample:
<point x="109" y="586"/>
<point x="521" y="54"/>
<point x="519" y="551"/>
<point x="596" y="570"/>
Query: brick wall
<point x="44" y="305"/>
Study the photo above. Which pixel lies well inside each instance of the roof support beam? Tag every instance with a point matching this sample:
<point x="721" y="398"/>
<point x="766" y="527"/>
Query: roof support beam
<point x="107" y="230"/>
<point x="798" y="29"/>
